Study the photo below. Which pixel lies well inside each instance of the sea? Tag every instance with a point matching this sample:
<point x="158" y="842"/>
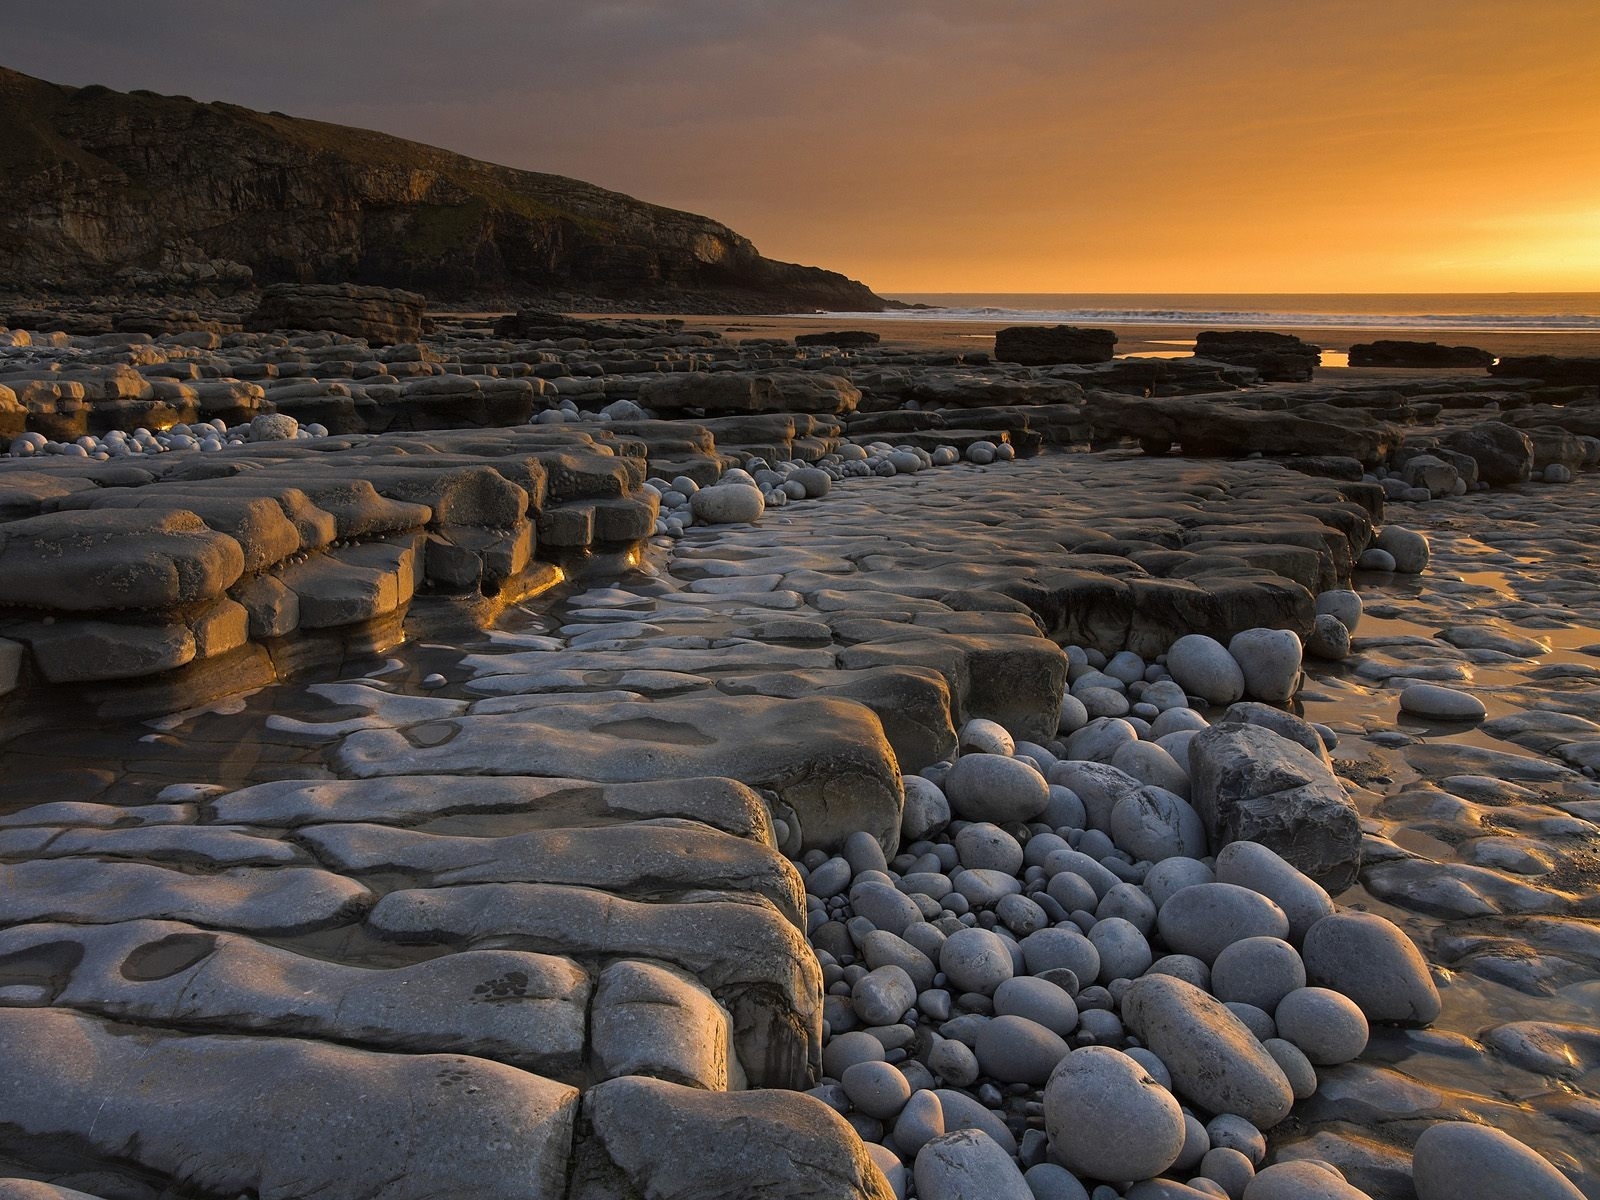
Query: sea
<point x="1408" y="313"/>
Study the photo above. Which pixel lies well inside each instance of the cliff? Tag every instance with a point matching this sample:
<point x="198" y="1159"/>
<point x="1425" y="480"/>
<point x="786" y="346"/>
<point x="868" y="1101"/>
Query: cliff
<point x="104" y="188"/>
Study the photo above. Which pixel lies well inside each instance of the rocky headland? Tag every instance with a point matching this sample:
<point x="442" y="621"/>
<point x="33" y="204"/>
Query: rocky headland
<point x="164" y="194"/>
<point x="550" y="757"/>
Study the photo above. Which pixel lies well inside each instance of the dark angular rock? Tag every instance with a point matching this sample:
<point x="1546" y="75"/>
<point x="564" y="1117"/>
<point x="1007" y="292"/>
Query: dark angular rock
<point x="1041" y="345"/>
<point x="1278" y="356"/>
<point x="1417" y="354"/>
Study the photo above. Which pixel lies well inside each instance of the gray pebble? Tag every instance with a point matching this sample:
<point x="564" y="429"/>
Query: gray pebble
<point x="1108" y="1119"/>
<point x="1206" y="918"/>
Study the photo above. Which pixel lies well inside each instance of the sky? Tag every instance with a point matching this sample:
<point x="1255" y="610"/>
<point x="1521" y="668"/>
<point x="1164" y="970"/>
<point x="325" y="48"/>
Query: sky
<point x="962" y="145"/>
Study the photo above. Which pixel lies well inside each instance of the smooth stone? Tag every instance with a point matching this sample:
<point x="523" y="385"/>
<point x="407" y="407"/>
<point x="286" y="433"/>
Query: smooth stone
<point x="1214" y="1059"/>
<point x="1301" y="1181"/>
<point x="1375" y="559"/>
<point x="976" y="960"/>
<point x="1021" y="915"/>
<point x="954" y="1062"/>
<point x="1228" y="1167"/>
<point x="876" y="1088"/>
<point x="829" y="879"/>
<point x="1270" y="662"/>
<point x="1441" y="703"/>
<point x="1369" y="959"/>
<point x="984" y="888"/>
<point x="1124" y="952"/>
<point x="863" y="852"/>
<point x="1261" y="869"/>
<point x="1329" y="639"/>
<point x="1072" y="716"/>
<point x="1462" y="1161"/>
<point x="1234" y="1132"/>
<point x="1257" y="970"/>
<point x="965" y="1165"/>
<point x="926" y="811"/>
<point x="1101" y="739"/>
<point x="1328" y="1028"/>
<point x="1342" y="604"/>
<point x="1155" y="823"/>
<point x="846" y="1049"/>
<point x="880" y="948"/>
<point x="1152" y="764"/>
<point x="980" y="736"/>
<point x="1408" y="548"/>
<point x="988" y="787"/>
<point x="1171" y="875"/>
<point x="1014" y="1049"/>
<point x="1049" y="1181"/>
<point x="1108" y="1119"/>
<point x="1207" y="918"/>
<point x="1185" y="967"/>
<point x="1061" y="948"/>
<point x="727" y="503"/>
<point x="1203" y="667"/>
<point x="884" y="906"/>
<point x="1296" y="1067"/>
<point x="919" y="1122"/>
<point x="963" y="1112"/>
<point x="1038" y="1000"/>
<point x="882" y="996"/>
<point x="1130" y="904"/>
<point x="983" y="845"/>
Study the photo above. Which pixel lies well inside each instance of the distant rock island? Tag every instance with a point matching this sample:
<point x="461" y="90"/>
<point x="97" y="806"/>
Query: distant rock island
<point x="140" y="191"/>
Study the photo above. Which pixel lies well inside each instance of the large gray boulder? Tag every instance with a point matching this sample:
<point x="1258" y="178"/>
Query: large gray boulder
<point x="1504" y="455"/>
<point x="1250" y="784"/>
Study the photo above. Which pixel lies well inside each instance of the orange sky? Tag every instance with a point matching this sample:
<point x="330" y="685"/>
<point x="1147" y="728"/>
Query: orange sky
<point x="970" y="145"/>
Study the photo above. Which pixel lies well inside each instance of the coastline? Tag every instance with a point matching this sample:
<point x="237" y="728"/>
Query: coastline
<point x="955" y="335"/>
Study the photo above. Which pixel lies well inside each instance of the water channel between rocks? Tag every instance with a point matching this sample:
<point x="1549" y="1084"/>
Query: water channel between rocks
<point x="1522" y="561"/>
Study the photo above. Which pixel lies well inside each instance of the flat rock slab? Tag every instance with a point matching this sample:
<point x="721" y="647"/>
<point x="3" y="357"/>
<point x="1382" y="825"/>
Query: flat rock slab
<point x="826" y="760"/>
<point x="645" y="860"/>
<point x="260" y="900"/>
<point x="755" y="963"/>
<point x="536" y="801"/>
<point x="280" y="1118"/>
<point x="529" y="1010"/>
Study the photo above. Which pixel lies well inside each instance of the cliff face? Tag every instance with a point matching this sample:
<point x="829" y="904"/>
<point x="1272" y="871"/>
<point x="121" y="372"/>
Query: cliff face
<point x="101" y="185"/>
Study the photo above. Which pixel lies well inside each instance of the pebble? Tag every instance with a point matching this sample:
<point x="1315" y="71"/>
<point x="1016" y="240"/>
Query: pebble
<point x="975" y="960"/>
<point x="1328" y="1028"/>
<point x="1454" y="1160"/>
<point x="882" y="996"/>
<point x="978" y="736"/>
<point x="876" y="1088"/>
<point x="1048" y="1181"/>
<point x="1263" y="870"/>
<point x="1270" y="662"/>
<point x="983" y="845"/>
<point x="1156" y="824"/>
<point x="1039" y="1001"/>
<point x="1342" y="604"/>
<point x="1204" y="919"/>
<point x="1108" y="1119"/>
<point x="1367" y="958"/>
<point x="966" y="1165"/>
<point x="1257" y="970"/>
<point x="1014" y="1049"/>
<point x="926" y="810"/>
<point x="919" y="1122"/>
<point x="1228" y="1167"/>
<point x="1441" y="703"/>
<point x="1124" y="952"/>
<point x="1300" y="1181"/>
<point x="1203" y="667"/>
<point x="1408" y="548"/>
<point x="954" y="1062"/>
<point x="989" y="787"/>
<point x="1215" y="1061"/>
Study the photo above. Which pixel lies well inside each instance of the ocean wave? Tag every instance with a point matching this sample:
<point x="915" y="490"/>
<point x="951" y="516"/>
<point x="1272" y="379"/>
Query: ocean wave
<point x="1457" y="322"/>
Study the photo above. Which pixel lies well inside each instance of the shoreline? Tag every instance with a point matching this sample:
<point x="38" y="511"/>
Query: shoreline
<point x="959" y="335"/>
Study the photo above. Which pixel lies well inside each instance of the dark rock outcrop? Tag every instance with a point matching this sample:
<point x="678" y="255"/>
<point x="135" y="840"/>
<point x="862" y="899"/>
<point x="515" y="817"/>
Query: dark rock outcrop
<point x="844" y="339"/>
<point x="1417" y="354"/>
<point x="1550" y="368"/>
<point x="1207" y="429"/>
<point x="1504" y="455"/>
<point x="1279" y="357"/>
<point x="106" y="188"/>
<point x="1044" y="345"/>
<point x="382" y="316"/>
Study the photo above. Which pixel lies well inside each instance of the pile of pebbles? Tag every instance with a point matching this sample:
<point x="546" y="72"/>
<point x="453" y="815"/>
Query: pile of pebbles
<point x="1056" y="992"/>
<point x="744" y="493"/>
<point x="202" y="435"/>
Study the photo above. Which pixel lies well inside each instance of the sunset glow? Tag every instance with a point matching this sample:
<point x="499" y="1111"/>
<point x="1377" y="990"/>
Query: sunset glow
<point x="1245" y="145"/>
